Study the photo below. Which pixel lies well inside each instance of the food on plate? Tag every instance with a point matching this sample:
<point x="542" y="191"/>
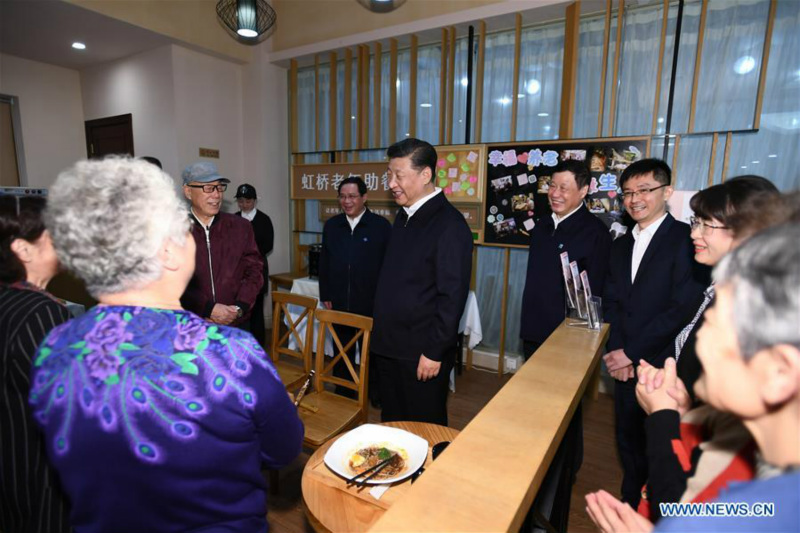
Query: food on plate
<point x="369" y="456"/>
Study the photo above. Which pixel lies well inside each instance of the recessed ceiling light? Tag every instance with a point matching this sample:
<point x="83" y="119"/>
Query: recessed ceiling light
<point x="755" y="162"/>
<point x="773" y="155"/>
<point x="464" y="81"/>
<point x="425" y="105"/>
<point x="505" y="100"/>
<point x="520" y="96"/>
<point x="78" y="46"/>
<point x="543" y="115"/>
<point x="533" y="86"/>
<point x="744" y="166"/>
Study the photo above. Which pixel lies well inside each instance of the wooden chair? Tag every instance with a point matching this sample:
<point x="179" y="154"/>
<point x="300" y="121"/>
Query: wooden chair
<point x="324" y="413"/>
<point x="291" y="374"/>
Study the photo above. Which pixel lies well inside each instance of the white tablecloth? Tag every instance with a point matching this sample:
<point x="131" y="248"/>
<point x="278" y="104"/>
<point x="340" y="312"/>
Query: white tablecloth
<point x="470" y="324"/>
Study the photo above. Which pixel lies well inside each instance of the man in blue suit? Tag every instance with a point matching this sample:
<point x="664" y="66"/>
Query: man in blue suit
<point x="652" y="279"/>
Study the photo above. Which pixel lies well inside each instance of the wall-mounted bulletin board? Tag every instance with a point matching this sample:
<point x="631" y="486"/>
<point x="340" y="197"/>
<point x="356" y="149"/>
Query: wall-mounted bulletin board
<point x="460" y="173"/>
<point x="518" y="179"/>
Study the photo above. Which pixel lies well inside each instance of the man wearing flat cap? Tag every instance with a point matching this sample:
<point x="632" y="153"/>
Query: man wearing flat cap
<point x="228" y="273"/>
<point x="247" y="199"/>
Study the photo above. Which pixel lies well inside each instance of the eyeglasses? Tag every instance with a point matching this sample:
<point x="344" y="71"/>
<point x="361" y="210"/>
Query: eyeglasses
<point x="641" y="192"/>
<point x="210" y="188"/>
<point x="352" y="197"/>
<point x="705" y="227"/>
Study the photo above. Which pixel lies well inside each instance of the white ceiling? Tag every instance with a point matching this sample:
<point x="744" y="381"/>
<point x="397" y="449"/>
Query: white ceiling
<point x="44" y="30"/>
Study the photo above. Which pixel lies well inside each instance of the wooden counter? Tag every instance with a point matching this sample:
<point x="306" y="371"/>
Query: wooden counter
<point x="487" y="479"/>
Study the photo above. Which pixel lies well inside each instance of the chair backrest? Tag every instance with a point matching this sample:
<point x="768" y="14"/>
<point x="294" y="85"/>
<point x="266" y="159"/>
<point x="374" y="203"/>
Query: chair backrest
<point x="281" y="314"/>
<point x="324" y="365"/>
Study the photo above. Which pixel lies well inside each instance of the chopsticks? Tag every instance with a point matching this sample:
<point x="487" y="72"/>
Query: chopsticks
<point x="373" y="471"/>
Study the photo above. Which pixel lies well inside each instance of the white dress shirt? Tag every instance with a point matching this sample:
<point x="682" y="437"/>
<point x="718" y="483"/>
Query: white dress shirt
<point x="355" y="220"/>
<point x="249" y="215"/>
<point x="557" y="220"/>
<point x="419" y="203"/>
<point x="642" y="238"/>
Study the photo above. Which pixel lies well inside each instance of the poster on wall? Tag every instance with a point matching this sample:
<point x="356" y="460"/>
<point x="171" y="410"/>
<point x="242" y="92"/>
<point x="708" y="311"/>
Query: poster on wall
<point x="459" y="173"/>
<point x="518" y="180"/>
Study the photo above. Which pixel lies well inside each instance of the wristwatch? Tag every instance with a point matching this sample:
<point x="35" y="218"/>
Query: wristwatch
<point x="239" y="311"/>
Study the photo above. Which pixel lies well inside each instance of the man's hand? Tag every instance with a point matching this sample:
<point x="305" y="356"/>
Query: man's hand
<point x="223" y="314"/>
<point x="623" y="374"/>
<point x="612" y="516"/>
<point x="427" y="368"/>
<point x="327" y="305"/>
<point x="616" y="360"/>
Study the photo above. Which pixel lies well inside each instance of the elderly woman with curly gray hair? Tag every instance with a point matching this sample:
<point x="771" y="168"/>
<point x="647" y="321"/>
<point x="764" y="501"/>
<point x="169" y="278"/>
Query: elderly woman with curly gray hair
<point x="155" y="419"/>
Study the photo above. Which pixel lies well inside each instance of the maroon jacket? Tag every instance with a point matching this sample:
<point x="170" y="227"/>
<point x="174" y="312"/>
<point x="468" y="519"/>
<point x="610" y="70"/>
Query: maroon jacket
<point x="238" y="269"/>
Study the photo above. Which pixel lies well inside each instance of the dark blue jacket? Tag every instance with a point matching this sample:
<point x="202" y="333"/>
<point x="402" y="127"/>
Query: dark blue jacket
<point x="351" y="261"/>
<point x="646" y="315"/>
<point x="587" y="240"/>
<point x="424" y="283"/>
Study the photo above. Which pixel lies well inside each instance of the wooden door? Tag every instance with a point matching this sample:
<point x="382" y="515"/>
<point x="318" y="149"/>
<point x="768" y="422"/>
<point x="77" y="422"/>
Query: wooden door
<point x="110" y="135"/>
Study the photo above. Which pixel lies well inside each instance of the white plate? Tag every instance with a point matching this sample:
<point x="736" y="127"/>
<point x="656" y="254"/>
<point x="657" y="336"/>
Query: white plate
<point x="369" y="434"/>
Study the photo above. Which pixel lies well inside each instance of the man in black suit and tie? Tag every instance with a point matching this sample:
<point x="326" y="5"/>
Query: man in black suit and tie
<point x="652" y="279"/>
<point x="422" y="290"/>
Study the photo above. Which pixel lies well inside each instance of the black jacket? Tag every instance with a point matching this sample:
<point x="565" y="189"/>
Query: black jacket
<point x="351" y="261"/>
<point x="424" y="283"/>
<point x="587" y="240"/>
<point x="646" y="315"/>
<point x="265" y="239"/>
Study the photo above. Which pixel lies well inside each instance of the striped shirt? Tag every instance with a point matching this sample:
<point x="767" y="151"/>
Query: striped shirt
<point x="30" y="498"/>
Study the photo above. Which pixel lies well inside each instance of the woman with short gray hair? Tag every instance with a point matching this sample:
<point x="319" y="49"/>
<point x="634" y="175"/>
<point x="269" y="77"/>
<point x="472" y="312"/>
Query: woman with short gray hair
<point x="174" y="415"/>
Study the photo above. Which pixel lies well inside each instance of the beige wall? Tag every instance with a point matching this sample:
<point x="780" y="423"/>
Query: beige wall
<point x="192" y="21"/>
<point x="51" y="115"/>
<point x="303" y="22"/>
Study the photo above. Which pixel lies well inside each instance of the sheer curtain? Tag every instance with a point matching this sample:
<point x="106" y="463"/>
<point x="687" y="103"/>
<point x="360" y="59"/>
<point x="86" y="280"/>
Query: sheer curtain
<point x="539" y="90"/>
<point x="306" y="115"/>
<point x="403" y="94"/>
<point x="498" y="78"/>
<point x="429" y="73"/>
<point x="324" y="106"/>
<point x="460" y="93"/>
<point x="590" y="70"/>
<point x="731" y="62"/>
<point x="773" y="151"/>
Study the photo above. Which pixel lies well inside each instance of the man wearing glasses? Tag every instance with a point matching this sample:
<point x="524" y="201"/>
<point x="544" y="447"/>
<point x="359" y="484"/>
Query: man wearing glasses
<point x="652" y="279"/>
<point x="228" y="273"/>
<point x="353" y="244"/>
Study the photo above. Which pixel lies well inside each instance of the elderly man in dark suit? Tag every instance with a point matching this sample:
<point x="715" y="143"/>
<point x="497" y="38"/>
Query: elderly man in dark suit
<point x="422" y="289"/>
<point x="652" y="281"/>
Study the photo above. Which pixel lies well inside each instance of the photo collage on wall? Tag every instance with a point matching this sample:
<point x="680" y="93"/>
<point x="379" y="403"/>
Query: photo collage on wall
<point x="518" y="180"/>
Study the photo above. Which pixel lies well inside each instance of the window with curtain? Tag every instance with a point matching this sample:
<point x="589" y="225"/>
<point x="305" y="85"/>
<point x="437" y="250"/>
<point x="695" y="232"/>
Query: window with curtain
<point x="341" y="120"/>
<point x="460" y="83"/>
<point x="324" y="73"/>
<point x="429" y="73"/>
<point x="403" y="94"/>
<point x="772" y="151"/>
<point x="731" y="62"/>
<point x="498" y="78"/>
<point x="638" y="70"/>
<point x="539" y="90"/>
<point x="306" y="114"/>
<point x="590" y="70"/>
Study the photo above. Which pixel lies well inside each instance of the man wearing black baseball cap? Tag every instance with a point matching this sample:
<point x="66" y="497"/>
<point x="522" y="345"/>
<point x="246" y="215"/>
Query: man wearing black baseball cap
<point x="247" y="198"/>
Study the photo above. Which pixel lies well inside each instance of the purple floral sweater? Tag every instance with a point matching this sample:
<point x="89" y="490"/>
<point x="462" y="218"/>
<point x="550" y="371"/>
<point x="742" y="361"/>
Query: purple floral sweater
<point x="157" y="420"/>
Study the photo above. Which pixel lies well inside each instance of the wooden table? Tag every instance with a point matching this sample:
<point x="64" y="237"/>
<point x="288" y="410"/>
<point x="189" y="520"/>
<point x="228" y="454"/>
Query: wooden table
<point x="331" y="506"/>
<point x="490" y="474"/>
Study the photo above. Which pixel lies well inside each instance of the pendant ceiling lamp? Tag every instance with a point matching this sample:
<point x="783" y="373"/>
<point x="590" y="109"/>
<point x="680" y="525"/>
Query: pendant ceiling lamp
<point x="381" y="6"/>
<point x="250" y="19"/>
